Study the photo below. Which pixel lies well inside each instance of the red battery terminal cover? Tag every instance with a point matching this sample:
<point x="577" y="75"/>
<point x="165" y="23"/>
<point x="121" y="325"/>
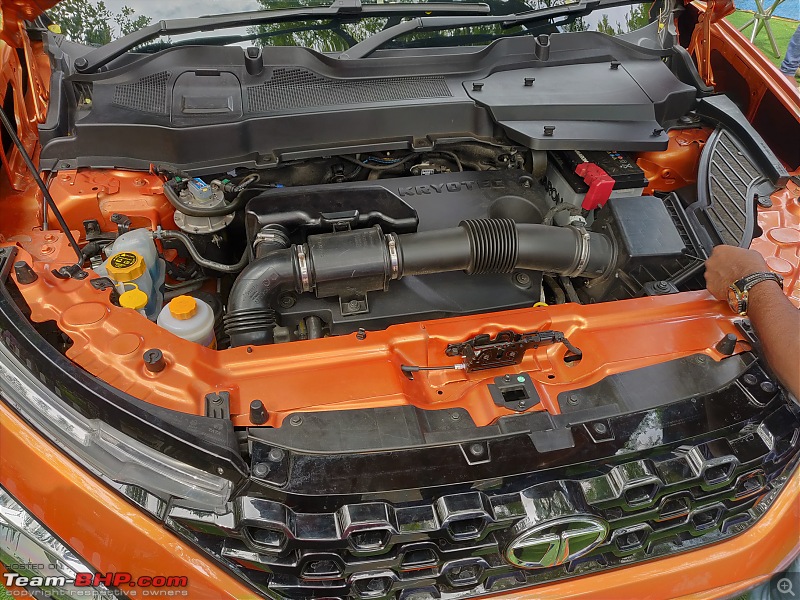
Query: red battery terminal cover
<point x="600" y="185"/>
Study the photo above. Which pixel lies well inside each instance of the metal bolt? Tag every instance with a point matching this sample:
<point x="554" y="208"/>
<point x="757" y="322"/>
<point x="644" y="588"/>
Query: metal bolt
<point x="529" y="81"/>
<point x="549" y="130"/>
<point x="276" y="455"/>
<point x="573" y="399"/>
<point x="615" y="65"/>
<point x="477" y="87"/>
<point x="600" y="428"/>
<point x="296" y="420"/>
<point x="521" y="404"/>
<point x="506" y="377"/>
<point x="522" y="279"/>
<point x="455" y="416"/>
<point x="657" y="132"/>
<point x="353" y="305"/>
<point x="220" y="470"/>
<point x="476" y="450"/>
<point x="361" y="334"/>
<point x="49" y="237"/>
<point x="750" y="379"/>
<point x="140" y="182"/>
<point x="261" y="470"/>
<point x="661" y="286"/>
<point x="46" y="249"/>
<point x="769" y="387"/>
<point x="286" y="301"/>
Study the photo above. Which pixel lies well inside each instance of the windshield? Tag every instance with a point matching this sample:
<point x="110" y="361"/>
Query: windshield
<point x="97" y="22"/>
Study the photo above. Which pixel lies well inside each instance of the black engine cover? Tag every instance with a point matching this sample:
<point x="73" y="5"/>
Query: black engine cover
<point x="405" y="205"/>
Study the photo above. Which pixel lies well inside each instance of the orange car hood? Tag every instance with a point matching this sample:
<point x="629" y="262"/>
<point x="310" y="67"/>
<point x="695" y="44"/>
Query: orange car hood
<point x="16" y="11"/>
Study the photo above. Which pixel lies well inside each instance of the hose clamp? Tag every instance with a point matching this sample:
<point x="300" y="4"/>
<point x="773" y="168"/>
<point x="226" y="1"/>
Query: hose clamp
<point x="583" y="252"/>
<point x="305" y="278"/>
<point x="394" y="259"/>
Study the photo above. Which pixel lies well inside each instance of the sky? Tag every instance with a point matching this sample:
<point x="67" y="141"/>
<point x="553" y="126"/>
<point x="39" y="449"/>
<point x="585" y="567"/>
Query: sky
<point x="176" y="9"/>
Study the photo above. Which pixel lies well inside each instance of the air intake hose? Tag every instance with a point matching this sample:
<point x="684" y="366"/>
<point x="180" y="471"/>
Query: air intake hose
<point x="365" y="260"/>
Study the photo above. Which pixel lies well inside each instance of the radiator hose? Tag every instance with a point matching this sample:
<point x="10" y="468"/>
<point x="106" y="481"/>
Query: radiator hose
<point x="352" y="263"/>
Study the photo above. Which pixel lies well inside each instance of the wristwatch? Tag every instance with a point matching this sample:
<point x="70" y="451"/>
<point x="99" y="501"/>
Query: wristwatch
<point x="739" y="291"/>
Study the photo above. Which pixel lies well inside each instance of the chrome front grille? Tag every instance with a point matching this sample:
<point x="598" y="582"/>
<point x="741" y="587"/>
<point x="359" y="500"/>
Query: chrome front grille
<point x="455" y="544"/>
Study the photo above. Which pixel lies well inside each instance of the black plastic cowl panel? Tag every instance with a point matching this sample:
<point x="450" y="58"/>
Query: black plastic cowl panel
<point x="199" y="108"/>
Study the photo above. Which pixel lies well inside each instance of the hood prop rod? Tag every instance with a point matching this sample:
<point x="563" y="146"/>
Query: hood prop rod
<point x="45" y="192"/>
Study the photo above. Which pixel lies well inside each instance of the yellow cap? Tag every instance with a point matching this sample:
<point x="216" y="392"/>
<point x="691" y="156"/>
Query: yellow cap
<point x="126" y="266"/>
<point x="183" y="307"/>
<point x="135" y="299"/>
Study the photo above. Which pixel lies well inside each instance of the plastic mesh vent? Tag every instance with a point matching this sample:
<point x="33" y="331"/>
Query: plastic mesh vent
<point x="301" y="88"/>
<point x="731" y="174"/>
<point x="149" y="94"/>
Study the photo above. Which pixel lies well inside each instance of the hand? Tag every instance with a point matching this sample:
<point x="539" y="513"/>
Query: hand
<point x="728" y="264"/>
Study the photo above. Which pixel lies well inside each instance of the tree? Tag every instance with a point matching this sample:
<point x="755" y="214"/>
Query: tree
<point x="604" y="26"/>
<point x="129" y="24"/>
<point x="636" y="18"/>
<point x="92" y="23"/>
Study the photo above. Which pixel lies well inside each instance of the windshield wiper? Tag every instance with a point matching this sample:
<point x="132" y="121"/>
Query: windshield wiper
<point x="101" y="56"/>
<point x="572" y="11"/>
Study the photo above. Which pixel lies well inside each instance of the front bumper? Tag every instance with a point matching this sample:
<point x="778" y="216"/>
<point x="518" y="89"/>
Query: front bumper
<point x="112" y="535"/>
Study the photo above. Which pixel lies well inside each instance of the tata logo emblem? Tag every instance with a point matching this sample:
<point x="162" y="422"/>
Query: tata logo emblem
<point x="555" y="542"/>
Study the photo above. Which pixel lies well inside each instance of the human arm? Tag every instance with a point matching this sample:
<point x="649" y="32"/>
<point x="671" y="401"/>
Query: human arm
<point x="774" y="318"/>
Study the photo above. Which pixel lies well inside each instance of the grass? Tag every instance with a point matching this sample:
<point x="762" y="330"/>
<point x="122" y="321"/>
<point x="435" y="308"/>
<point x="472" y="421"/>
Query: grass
<point x="782" y="29"/>
<point x="4" y="595"/>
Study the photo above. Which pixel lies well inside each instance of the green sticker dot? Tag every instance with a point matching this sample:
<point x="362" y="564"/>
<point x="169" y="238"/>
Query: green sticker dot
<point x="520" y="378"/>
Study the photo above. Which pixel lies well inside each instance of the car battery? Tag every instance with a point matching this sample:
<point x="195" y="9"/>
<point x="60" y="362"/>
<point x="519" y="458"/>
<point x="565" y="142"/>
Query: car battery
<point x="600" y="167"/>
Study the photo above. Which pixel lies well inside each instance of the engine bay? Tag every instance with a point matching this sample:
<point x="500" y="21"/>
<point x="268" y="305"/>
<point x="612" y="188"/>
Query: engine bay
<point x="359" y="243"/>
<point x="393" y="227"/>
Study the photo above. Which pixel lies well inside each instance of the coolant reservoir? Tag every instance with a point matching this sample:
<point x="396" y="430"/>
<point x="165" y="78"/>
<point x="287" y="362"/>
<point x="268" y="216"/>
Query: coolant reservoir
<point x="140" y="243"/>
<point x="190" y="319"/>
<point x="129" y="272"/>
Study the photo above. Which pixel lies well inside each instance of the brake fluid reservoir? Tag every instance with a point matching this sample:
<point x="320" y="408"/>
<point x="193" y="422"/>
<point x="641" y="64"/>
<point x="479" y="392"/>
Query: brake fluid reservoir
<point x="190" y="319"/>
<point x="129" y="272"/>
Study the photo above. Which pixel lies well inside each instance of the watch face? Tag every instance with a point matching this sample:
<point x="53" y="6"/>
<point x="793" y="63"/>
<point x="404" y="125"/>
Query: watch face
<point x="734" y="301"/>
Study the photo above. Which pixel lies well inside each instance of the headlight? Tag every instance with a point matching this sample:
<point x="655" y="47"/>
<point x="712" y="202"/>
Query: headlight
<point x="27" y="548"/>
<point x="148" y="477"/>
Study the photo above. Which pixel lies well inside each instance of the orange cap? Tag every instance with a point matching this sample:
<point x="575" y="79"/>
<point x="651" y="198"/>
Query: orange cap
<point x="135" y="299"/>
<point x="183" y="307"/>
<point x="126" y="266"/>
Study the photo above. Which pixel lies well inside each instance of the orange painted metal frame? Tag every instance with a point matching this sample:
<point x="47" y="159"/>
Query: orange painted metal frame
<point x="109" y="342"/>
